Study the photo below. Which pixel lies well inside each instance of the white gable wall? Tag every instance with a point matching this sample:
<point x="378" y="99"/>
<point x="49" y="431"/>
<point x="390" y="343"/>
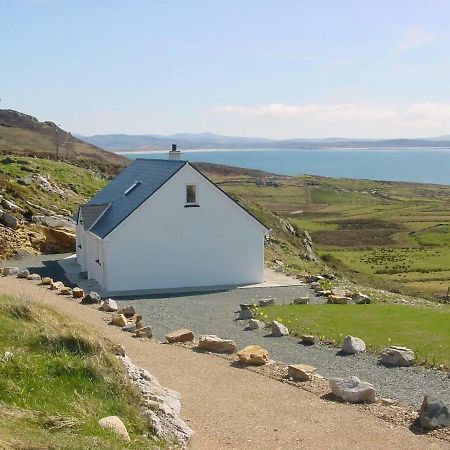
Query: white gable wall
<point x="165" y="245"/>
<point x="81" y="246"/>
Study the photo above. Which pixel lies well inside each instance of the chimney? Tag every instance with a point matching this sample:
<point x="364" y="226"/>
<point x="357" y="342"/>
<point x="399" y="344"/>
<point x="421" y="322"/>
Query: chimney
<point x="174" y="154"/>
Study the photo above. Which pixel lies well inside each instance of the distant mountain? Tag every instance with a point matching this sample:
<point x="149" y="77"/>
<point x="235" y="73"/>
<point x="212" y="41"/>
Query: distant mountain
<point x="125" y="142"/>
<point x="22" y="134"/>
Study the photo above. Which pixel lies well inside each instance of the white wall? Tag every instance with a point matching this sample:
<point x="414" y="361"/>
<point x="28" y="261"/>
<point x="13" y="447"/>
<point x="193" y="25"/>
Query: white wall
<point x="94" y="251"/>
<point x="81" y="241"/>
<point x="164" y="245"/>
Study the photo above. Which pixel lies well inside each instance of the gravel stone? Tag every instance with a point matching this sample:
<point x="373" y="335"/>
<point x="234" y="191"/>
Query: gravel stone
<point x="213" y="313"/>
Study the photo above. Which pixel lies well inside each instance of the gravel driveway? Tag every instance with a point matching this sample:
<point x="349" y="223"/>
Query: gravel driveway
<point x="213" y="313"/>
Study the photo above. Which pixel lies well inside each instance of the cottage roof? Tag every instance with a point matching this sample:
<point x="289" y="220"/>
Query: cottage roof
<point x="125" y="193"/>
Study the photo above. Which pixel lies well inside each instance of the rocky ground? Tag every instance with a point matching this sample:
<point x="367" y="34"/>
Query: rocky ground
<point x="214" y="313"/>
<point x="229" y="407"/>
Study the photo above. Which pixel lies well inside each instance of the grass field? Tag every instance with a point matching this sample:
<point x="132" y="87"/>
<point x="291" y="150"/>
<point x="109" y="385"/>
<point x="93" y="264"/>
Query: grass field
<point x="59" y="382"/>
<point x="80" y="183"/>
<point x="425" y="330"/>
<point x="391" y="233"/>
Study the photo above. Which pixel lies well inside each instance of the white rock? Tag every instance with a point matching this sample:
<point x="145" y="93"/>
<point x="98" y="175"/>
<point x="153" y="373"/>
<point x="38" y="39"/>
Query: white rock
<point x="266" y="302"/>
<point x="353" y="390"/>
<point x="214" y="343"/>
<point x="116" y="425"/>
<point x="353" y="345"/>
<point x="397" y="356"/>
<point x="23" y="273"/>
<point x="10" y="271"/>
<point x="109" y="305"/>
<point x="278" y="329"/>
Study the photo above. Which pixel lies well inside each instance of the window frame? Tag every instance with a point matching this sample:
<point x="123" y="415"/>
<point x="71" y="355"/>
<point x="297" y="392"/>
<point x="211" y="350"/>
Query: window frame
<point x="187" y="203"/>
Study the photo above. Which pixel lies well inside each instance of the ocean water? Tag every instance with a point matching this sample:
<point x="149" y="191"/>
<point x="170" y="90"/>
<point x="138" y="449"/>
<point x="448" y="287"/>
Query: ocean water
<point x="414" y="164"/>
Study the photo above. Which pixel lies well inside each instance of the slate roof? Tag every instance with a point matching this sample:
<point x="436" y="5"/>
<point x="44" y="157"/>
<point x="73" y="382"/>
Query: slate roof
<point x="150" y="174"/>
<point x="90" y="214"/>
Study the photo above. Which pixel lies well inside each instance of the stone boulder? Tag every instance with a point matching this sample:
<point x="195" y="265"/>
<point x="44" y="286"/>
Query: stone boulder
<point x="301" y="300"/>
<point x="278" y="329"/>
<point x="144" y="332"/>
<point x="129" y="327"/>
<point x="301" y="372"/>
<point x="93" y="298"/>
<point x="116" y="425"/>
<point x="255" y="324"/>
<point x="9" y="220"/>
<point x="253" y="355"/>
<point x="337" y="300"/>
<point x="397" y="356"/>
<point x="25" y="273"/>
<point x="109" y="305"/>
<point x="120" y="320"/>
<point x="362" y="299"/>
<point x="245" y="314"/>
<point x="56" y="286"/>
<point x="266" y="302"/>
<point x="127" y="311"/>
<point x="433" y="413"/>
<point x="182" y="335"/>
<point x="353" y="390"/>
<point x="353" y="345"/>
<point x="34" y="277"/>
<point x="65" y="290"/>
<point x="47" y="281"/>
<point x="77" y="292"/>
<point x="309" y="339"/>
<point x="10" y="271"/>
<point x="214" y="343"/>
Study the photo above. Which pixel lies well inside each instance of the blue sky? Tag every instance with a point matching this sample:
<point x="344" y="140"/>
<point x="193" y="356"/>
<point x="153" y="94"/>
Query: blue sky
<point x="250" y="67"/>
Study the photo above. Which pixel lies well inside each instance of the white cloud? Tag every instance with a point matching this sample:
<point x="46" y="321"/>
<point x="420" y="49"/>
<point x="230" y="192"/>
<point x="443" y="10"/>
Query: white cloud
<point x="414" y="37"/>
<point x="375" y="119"/>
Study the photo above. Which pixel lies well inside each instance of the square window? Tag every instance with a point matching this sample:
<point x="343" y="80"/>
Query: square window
<point x="191" y="194"/>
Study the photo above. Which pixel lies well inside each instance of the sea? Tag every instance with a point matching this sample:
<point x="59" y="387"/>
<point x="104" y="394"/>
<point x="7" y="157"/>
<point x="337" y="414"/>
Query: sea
<point x="430" y="165"/>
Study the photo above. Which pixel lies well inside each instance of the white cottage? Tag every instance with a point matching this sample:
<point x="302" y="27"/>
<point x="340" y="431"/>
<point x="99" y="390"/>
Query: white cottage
<point x="161" y="225"/>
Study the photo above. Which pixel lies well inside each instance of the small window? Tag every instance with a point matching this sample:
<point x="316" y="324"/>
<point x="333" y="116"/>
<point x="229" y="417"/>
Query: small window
<point x="191" y="194"/>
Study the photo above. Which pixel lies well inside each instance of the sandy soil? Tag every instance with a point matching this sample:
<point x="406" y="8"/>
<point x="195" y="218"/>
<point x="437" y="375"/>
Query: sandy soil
<point x="232" y="408"/>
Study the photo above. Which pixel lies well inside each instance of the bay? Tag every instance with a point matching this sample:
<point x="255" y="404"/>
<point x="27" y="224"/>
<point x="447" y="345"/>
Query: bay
<point x="431" y="165"/>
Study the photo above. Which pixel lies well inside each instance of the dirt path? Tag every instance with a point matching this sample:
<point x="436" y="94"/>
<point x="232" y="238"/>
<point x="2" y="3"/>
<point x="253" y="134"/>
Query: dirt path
<point x="231" y="408"/>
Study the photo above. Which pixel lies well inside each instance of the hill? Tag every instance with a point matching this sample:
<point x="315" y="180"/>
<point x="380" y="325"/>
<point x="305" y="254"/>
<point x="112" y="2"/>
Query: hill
<point x="124" y="142"/>
<point x="24" y="135"/>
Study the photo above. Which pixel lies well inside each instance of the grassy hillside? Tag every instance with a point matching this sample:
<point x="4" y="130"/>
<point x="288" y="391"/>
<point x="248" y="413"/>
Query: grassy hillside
<point x="24" y="135"/>
<point x="390" y="234"/>
<point x="59" y="381"/>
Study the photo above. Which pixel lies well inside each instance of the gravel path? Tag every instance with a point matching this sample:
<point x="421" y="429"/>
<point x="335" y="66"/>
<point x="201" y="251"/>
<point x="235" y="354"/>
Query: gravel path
<point x="213" y="313"/>
<point x="231" y="408"/>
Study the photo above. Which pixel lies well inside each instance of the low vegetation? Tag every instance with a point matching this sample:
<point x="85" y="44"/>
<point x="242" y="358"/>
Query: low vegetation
<point x="424" y="330"/>
<point x="57" y="379"/>
<point x="387" y="234"/>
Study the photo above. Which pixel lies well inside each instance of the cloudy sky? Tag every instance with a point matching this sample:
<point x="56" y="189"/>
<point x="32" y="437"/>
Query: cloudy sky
<point x="279" y="68"/>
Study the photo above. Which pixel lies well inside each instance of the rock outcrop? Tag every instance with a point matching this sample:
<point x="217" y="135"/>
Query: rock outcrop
<point x="160" y="406"/>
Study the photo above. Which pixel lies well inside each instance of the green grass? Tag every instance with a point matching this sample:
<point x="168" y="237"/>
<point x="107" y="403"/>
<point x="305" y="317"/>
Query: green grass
<point x="425" y="330"/>
<point x="355" y="221"/>
<point x="80" y="183"/>
<point x="61" y="380"/>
